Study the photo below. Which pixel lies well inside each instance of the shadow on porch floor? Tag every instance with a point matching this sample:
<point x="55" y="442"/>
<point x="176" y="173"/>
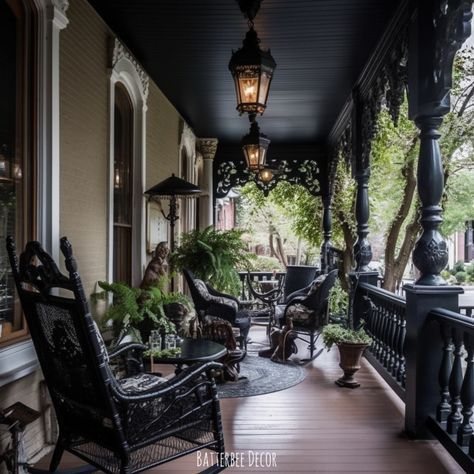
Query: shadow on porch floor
<point x="318" y="427"/>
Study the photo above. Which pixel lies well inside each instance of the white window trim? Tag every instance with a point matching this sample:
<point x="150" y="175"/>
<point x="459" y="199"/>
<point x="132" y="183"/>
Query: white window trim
<point x="19" y="359"/>
<point x="125" y="69"/>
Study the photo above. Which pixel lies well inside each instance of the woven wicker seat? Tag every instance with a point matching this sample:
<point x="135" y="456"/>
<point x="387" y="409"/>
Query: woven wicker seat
<point x="119" y="426"/>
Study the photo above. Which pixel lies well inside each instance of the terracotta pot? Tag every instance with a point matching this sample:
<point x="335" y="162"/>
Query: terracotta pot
<point x="350" y="354"/>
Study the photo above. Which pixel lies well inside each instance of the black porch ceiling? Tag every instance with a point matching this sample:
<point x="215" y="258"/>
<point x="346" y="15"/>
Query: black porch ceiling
<point x="320" y="47"/>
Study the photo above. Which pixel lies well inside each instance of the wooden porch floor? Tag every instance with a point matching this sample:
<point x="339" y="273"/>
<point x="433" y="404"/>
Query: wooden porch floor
<point x="321" y="428"/>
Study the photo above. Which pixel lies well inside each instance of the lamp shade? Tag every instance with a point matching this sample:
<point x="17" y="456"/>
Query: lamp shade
<point x="252" y="69"/>
<point x="255" y="146"/>
<point x="174" y="186"/>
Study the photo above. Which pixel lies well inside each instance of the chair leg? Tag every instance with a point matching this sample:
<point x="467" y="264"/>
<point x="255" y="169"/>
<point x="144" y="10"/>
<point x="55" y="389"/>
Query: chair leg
<point x="57" y="455"/>
<point x="311" y="347"/>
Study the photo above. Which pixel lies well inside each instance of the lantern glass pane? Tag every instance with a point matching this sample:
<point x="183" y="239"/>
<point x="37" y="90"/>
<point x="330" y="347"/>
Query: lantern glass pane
<point x="262" y="155"/>
<point x="248" y="89"/>
<point x="252" y="153"/>
<point x="264" y="86"/>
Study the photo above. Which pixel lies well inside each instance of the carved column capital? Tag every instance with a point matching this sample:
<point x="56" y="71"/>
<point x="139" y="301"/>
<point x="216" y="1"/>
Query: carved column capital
<point x="61" y="5"/>
<point x="207" y="147"/>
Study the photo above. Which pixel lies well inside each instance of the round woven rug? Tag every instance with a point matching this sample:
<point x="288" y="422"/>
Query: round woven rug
<point x="262" y="376"/>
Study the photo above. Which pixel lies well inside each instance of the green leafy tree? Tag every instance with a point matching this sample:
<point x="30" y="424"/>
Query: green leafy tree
<point x="287" y="219"/>
<point x="394" y="201"/>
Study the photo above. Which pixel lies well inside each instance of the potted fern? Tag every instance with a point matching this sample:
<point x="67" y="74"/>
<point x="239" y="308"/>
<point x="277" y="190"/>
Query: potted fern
<point x="213" y="256"/>
<point x="351" y="344"/>
<point x="143" y="310"/>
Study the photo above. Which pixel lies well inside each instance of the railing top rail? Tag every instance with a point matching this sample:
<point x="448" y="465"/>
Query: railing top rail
<point x="383" y="294"/>
<point x="244" y="273"/>
<point x="456" y="320"/>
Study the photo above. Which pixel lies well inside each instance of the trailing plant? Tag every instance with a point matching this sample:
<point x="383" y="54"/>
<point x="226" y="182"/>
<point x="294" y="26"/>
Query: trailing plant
<point x="338" y="301"/>
<point x="336" y="334"/>
<point x="213" y="256"/>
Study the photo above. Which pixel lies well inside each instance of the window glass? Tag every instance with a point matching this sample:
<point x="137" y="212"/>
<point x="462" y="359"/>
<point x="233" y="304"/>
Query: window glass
<point x="123" y="185"/>
<point x="16" y="154"/>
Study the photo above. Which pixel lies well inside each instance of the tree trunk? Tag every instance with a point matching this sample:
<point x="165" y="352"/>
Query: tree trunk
<point x="347" y="262"/>
<point x="392" y="262"/>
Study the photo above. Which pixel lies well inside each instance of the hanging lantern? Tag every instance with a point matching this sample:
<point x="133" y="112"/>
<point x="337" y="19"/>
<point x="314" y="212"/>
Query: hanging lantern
<point x="266" y="175"/>
<point x="252" y="69"/>
<point x="255" y="146"/>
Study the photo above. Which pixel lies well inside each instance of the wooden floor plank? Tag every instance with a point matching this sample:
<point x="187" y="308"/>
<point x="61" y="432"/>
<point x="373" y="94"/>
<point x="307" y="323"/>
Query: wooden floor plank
<point x="317" y="427"/>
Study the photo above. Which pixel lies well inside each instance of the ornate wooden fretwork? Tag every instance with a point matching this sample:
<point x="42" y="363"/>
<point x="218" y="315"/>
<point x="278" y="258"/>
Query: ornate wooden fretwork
<point x="304" y="172"/>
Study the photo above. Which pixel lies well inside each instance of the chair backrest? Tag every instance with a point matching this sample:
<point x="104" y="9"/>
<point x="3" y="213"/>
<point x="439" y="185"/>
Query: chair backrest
<point x="297" y="277"/>
<point x="200" y="303"/>
<point x="318" y="300"/>
<point x="65" y="338"/>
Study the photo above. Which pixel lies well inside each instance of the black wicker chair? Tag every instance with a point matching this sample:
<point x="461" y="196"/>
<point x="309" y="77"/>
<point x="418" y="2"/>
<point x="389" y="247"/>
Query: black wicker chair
<point x="119" y="426"/>
<point x="313" y="308"/>
<point x="218" y="304"/>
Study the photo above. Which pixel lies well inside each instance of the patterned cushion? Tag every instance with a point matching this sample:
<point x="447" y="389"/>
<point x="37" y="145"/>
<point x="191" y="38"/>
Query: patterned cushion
<point x="316" y="284"/>
<point x="299" y="313"/>
<point x="140" y="382"/>
<point x="204" y="292"/>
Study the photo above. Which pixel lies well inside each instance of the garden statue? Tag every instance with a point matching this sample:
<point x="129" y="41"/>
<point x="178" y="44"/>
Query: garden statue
<point x="158" y="266"/>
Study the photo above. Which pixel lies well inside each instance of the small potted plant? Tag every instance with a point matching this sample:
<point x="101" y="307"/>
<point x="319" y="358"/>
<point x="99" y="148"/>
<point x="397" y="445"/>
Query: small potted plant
<point x="351" y="344"/>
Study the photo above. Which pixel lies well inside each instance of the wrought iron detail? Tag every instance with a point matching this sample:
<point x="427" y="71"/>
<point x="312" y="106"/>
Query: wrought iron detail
<point x="230" y="174"/>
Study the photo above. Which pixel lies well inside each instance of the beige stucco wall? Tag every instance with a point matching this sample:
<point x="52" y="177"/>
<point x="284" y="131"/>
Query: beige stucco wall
<point x="84" y="140"/>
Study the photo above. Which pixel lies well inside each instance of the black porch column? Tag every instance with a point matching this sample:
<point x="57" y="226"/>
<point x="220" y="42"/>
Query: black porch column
<point x="430" y="255"/>
<point x="362" y="248"/>
<point x="326" y="252"/>
<point x="438" y="31"/>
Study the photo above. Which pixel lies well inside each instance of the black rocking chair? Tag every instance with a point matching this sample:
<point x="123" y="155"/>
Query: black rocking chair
<point x="309" y="311"/>
<point x="118" y="426"/>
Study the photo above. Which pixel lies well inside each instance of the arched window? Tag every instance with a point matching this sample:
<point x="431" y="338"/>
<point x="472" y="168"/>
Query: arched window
<point x="17" y="155"/>
<point x="123" y="185"/>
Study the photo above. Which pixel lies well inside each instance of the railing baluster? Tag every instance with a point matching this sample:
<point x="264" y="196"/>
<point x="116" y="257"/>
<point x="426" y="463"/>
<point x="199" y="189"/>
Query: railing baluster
<point x="391" y="339"/>
<point x="401" y="375"/>
<point x="455" y="382"/>
<point x="467" y="394"/>
<point x="396" y="337"/>
<point x="444" y="407"/>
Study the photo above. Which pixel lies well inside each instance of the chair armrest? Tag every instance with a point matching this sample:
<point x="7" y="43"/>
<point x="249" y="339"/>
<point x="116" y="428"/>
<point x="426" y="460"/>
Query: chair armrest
<point x="222" y="311"/>
<point x="127" y="347"/>
<point x="187" y="375"/>
<point x="214" y="292"/>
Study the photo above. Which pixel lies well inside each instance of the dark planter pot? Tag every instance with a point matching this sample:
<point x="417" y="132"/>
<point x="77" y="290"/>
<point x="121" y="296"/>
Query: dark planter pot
<point x="350" y="354"/>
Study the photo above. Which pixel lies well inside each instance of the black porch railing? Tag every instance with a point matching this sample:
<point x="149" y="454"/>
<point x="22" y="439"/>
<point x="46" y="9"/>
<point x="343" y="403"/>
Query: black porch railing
<point x="384" y="315"/>
<point x="259" y="277"/>
<point x="466" y="310"/>
<point x="451" y="423"/>
<point x="427" y="358"/>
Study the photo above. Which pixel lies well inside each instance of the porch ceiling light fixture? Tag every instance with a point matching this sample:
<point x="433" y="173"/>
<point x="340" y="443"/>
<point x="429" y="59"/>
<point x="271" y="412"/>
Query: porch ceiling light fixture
<point x="251" y="67"/>
<point x="266" y="175"/>
<point x="173" y="188"/>
<point x="255" y="146"/>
